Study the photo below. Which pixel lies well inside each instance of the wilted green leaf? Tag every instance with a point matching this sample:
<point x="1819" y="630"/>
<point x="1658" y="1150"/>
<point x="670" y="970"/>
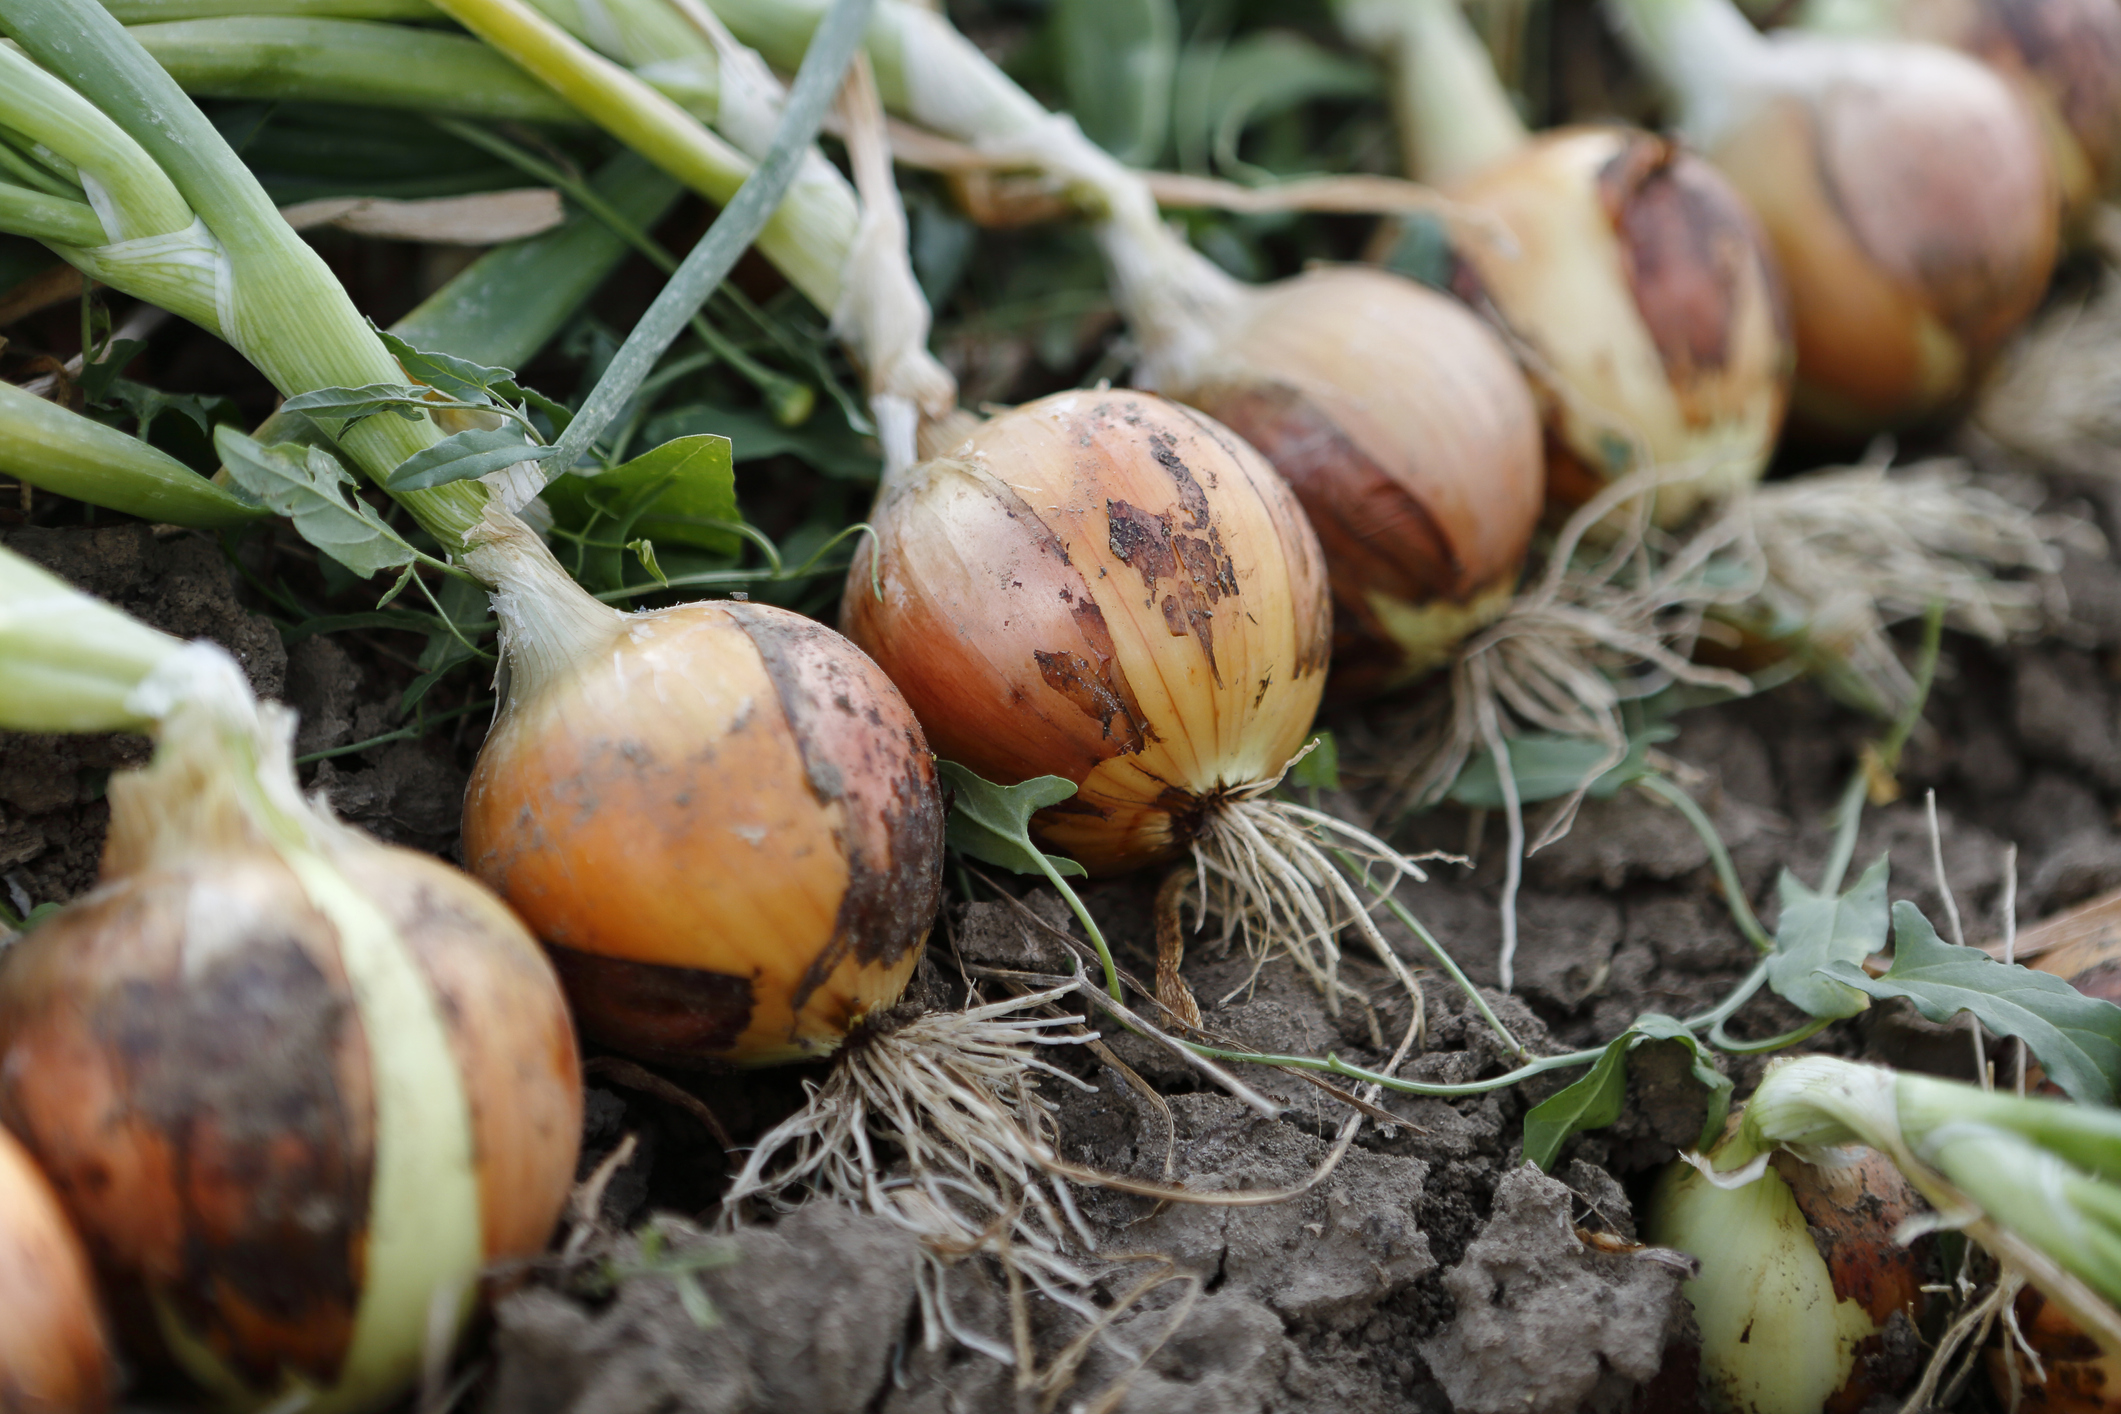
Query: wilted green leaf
<point x="351" y="403"/>
<point x="2076" y="1038"/>
<point x="682" y="492"/>
<point x="993" y="823"/>
<point x="463" y="455"/>
<point x="1815" y="930"/>
<point x="307" y="485"/>
<point x="1117" y="58"/>
<point x="1546" y="767"/>
<point x="446" y="373"/>
<point x="1595" y="1101"/>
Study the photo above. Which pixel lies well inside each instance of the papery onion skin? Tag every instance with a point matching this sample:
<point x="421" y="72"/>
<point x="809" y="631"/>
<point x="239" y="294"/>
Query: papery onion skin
<point x="1909" y="199"/>
<point x="1805" y="1300"/>
<point x="727" y="829"/>
<point x="1410" y="438"/>
<point x="54" y="1356"/>
<point x="1104" y="586"/>
<point x="1644" y="286"/>
<point x="181" y="1050"/>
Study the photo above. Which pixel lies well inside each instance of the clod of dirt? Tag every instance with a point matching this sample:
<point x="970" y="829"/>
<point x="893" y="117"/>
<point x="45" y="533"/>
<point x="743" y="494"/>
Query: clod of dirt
<point x="1227" y="1357"/>
<point x="2064" y="711"/>
<point x="1545" y="1325"/>
<point x="805" y="1317"/>
<point x="321" y="685"/>
<point x="412" y="794"/>
<point x="1337" y="1250"/>
<point x="998" y="935"/>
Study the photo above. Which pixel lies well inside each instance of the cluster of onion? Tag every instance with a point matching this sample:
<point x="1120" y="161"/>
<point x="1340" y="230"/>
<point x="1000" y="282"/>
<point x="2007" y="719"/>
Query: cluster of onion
<point x="297" y="1089"/>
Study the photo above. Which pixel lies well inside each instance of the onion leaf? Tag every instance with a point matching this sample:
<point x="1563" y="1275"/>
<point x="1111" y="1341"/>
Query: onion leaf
<point x="1816" y="929"/>
<point x="2076" y="1038"/>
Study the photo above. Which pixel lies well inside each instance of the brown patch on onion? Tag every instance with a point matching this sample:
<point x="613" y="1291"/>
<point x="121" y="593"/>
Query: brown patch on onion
<point x="2074" y="1375"/>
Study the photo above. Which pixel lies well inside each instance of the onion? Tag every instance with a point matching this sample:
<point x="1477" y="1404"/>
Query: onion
<point x="1409" y="439"/>
<point x="297" y="1088"/>
<point x="1637" y="280"/>
<point x="721" y="818"/>
<point x="1108" y="587"/>
<point x="1800" y="1278"/>
<point x="2062" y="56"/>
<point x="2074" y="1375"/>
<point x="1905" y="188"/>
<point x="53" y="1355"/>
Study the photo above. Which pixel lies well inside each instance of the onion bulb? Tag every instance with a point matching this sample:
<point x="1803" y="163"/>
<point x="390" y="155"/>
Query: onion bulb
<point x="53" y="1354"/>
<point x="1805" y="1300"/>
<point x="298" y="1089"/>
<point x="2062" y="56"/>
<point x="1108" y="587"/>
<point x="1635" y="277"/>
<point x="721" y="818"/>
<point x="2074" y="1375"/>
<point x="1905" y="188"/>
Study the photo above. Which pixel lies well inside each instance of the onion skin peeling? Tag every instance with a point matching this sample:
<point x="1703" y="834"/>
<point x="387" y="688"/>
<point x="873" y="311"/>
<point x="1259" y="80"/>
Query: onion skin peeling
<point x="722" y="819"/>
<point x="1108" y="587"/>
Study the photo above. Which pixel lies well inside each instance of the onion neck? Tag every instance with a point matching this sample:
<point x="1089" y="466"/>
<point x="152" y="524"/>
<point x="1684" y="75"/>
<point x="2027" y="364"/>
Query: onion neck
<point x="1454" y="117"/>
<point x="549" y="624"/>
<point x="1705" y="51"/>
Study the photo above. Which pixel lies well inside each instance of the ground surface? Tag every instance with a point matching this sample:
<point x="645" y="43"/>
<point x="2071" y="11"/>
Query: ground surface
<point x="1432" y="1270"/>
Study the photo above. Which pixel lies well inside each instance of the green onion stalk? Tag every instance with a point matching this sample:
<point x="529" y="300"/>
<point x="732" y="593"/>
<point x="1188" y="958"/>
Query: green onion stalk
<point x="184" y="225"/>
<point x="57" y="450"/>
<point x="2034" y="1181"/>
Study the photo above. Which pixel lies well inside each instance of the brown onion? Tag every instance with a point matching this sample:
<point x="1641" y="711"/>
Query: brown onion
<point x="1636" y="280"/>
<point x="2062" y="56"/>
<point x="1905" y="188"/>
<point x="2075" y="1376"/>
<point x="54" y="1358"/>
<point x="1107" y="587"/>
<point x="297" y="1088"/>
<point x="721" y="818"/>
<point x="1409" y="438"/>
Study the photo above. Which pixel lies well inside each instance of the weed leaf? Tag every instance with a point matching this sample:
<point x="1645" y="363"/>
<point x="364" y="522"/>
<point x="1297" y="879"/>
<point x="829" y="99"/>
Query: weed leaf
<point x="1594" y="1101"/>
<point x="993" y="823"/>
<point x="307" y="485"/>
<point x="1815" y="930"/>
<point x="2076" y="1038"/>
<point x="463" y="455"/>
<point x="364" y="401"/>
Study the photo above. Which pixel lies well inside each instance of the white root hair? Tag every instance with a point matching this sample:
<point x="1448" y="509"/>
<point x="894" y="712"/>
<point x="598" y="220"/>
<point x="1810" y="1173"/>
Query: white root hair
<point x="2056" y="397"/>
<point x="1845" y="554"/>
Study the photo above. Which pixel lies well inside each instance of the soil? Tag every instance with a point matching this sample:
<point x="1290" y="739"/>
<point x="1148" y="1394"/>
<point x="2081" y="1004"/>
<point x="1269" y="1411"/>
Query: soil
<point x="1433" y="1270"/>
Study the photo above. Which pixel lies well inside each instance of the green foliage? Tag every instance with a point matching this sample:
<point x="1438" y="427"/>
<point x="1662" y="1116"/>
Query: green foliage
<point x="2076" y="1038"/>
<point x="1816" y="930"/>
<point x="992" y="823"/>
<point x="309" y="487"/>
<point x="476" y="451"/>
<point x="1595" y="1101"/>
<point x="1319" y="769"/>
<point x="683" y="491"/>
<point x="1548" y="767"/>
<point x="1117" y="58"/>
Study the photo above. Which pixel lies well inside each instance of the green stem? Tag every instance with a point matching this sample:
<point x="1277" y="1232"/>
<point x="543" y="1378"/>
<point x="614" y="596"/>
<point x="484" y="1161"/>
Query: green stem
<point x="1705" y="51"/>
<point x="72" y="661"/>
<point x="139" y="199"/>
<point x="789" y="400"/>
<point x="348" y="61"/>
<point x="24" y="212"/>
<point x="1726" y="872"/>
<point x="134" y="12"/>
<point x="282" y="307"/>
<point x="1454" y="116"/>
<point x="1848" y="811"/>
<point x="808" y="242"/>
<point x="732" y="233"/>
<point x="68" y="454"/>
<point x="1334" y="1065"/>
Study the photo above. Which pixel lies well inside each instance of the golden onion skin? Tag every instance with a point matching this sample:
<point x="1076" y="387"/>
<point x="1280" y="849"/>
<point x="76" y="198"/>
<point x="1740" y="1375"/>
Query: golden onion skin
<point x="727" y="829"/>
<point x="181" y="1050"/>
<point x="2075" y="1376"/>
<point x="1412" y="442"/>
<point x="1645" y="287"/>
<point x="54" y="1358"/>
<point x="1908" y="197"/>
<point x="1105" y="586"/>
